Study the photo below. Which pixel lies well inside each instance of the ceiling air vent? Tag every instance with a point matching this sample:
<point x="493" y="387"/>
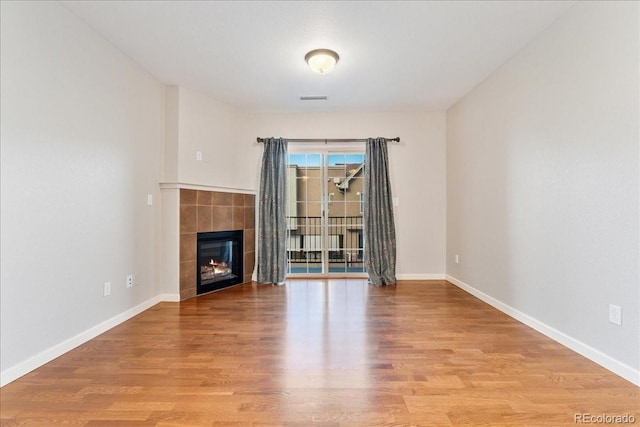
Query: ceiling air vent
<point x="313" y="98"/>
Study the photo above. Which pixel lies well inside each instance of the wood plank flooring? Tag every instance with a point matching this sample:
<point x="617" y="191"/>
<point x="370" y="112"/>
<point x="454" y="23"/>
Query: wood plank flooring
<point x="319" y="353"/>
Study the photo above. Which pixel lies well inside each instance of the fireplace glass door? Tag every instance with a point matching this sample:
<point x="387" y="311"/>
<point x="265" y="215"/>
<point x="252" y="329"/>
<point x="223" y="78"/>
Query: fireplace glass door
<point x="219" y="260"/>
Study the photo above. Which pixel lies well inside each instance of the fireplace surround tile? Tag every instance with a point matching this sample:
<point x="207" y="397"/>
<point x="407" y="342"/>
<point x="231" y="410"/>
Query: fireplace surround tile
<point x="249" y="240"/>
<point x="238" y="218"/>
<point x="204" y="198"/>
<point x="187" y="293"/>
<point x="238" y="199"/>
<point x="204" y="211"/>
<point x="188" y="275"/>
<point x="188" y="244"/>
<point x="222" y="218"/>
<point x="188" y="218"/>
<point x="188" y="197"/>
<point x="204" y="218"/>
<point x="221" y="199"/>
<point x="249" y="264"/>
<point x="250" y="215"/>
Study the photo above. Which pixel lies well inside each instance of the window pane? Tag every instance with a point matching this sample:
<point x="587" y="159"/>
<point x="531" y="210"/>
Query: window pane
<point x="336" y="159"/>
<point x="313" y="189"/>
<point x="336" y="188"/>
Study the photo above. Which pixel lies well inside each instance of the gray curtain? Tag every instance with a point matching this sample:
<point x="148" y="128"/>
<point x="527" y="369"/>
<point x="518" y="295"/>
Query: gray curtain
<point x="272" y="215"/>
<point x="379" y="227"/>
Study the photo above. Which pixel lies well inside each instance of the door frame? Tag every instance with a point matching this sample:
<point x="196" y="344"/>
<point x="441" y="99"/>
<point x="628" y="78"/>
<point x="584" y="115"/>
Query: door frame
<point x="325" y="150"/>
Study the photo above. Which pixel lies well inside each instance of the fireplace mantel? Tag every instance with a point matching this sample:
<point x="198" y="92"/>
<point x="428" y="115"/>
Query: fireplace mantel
<point x="203" y="187"/>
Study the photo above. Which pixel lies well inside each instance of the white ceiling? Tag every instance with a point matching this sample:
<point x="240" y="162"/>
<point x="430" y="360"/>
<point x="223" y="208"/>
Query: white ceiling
<point x="394" y="55"/>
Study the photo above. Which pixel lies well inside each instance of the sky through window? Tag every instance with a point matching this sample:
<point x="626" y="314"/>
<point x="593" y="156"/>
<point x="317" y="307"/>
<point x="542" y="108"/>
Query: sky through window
<point x="315" y="160"/>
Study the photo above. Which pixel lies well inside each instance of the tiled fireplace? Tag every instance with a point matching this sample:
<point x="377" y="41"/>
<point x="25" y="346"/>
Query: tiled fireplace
<point x="204" y="211"/>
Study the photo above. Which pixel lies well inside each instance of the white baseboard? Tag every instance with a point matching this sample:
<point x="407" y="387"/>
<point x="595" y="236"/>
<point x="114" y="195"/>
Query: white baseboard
<point x="169" y="298"/>
<point x="23" y="368"/>
<point x="607" y="362"/>
<point x="421" y="276"/>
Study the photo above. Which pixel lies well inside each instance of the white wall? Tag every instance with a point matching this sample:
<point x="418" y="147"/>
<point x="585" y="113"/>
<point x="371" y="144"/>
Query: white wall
<point x="417" y="172"/>
<point x="210" y="127"/>
<point x="196" y="122"/>
<point x="542" y="183"/>
<point x="81" y="148"/>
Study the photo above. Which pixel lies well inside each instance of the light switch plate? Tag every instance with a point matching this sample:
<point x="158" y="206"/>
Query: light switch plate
<point x="615" y="314"/>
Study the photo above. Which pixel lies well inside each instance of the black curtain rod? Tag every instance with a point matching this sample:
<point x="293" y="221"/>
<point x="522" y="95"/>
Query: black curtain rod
<point x="326" y="140"/>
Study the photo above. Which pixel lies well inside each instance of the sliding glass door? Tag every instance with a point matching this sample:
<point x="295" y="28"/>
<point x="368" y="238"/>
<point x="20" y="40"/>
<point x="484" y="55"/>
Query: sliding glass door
<point x="325" y="207"/>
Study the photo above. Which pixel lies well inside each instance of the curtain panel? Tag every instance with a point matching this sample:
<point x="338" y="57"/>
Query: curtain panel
<point x="378" y="222"/>
<point x="272" y="215"/>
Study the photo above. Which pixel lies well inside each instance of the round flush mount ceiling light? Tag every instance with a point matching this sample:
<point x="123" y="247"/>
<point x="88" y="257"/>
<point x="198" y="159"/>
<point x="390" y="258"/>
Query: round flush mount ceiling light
<point x="322" y="61"/>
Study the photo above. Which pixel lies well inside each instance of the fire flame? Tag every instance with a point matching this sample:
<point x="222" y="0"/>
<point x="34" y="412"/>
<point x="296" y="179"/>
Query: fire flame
<point x="219" y="267"/>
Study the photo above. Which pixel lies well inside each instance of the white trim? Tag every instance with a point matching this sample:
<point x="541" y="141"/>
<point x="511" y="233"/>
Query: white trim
<point x="321" y="147"/>
<point x="23" y="368"/>
<point x="188" y="186"/>
<point x="169" y="298"/>
<point x="421" y="276"/>
<point x="625" y="371"/>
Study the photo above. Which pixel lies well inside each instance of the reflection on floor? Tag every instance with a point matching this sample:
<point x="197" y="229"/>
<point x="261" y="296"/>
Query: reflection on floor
<point x="332" y="269"/>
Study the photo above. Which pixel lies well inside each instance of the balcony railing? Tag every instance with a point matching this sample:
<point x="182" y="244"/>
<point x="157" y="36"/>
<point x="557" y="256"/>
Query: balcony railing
<point x="344" y="242"/>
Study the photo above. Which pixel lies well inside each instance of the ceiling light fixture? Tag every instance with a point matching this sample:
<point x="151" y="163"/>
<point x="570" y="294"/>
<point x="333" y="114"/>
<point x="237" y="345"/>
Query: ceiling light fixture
<point x="322" y="61"/>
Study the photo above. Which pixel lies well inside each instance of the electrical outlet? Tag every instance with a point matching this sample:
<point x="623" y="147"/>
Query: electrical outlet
<point x="107" y="289"/>
<point x="130" y="281"/>
<point x="457" y="258"/>
<point x="615" y="314"/>
<point x="199" y="155"/>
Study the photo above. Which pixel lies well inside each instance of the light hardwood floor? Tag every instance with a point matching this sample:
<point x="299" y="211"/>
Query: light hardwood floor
<point x="319" y="353"/>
